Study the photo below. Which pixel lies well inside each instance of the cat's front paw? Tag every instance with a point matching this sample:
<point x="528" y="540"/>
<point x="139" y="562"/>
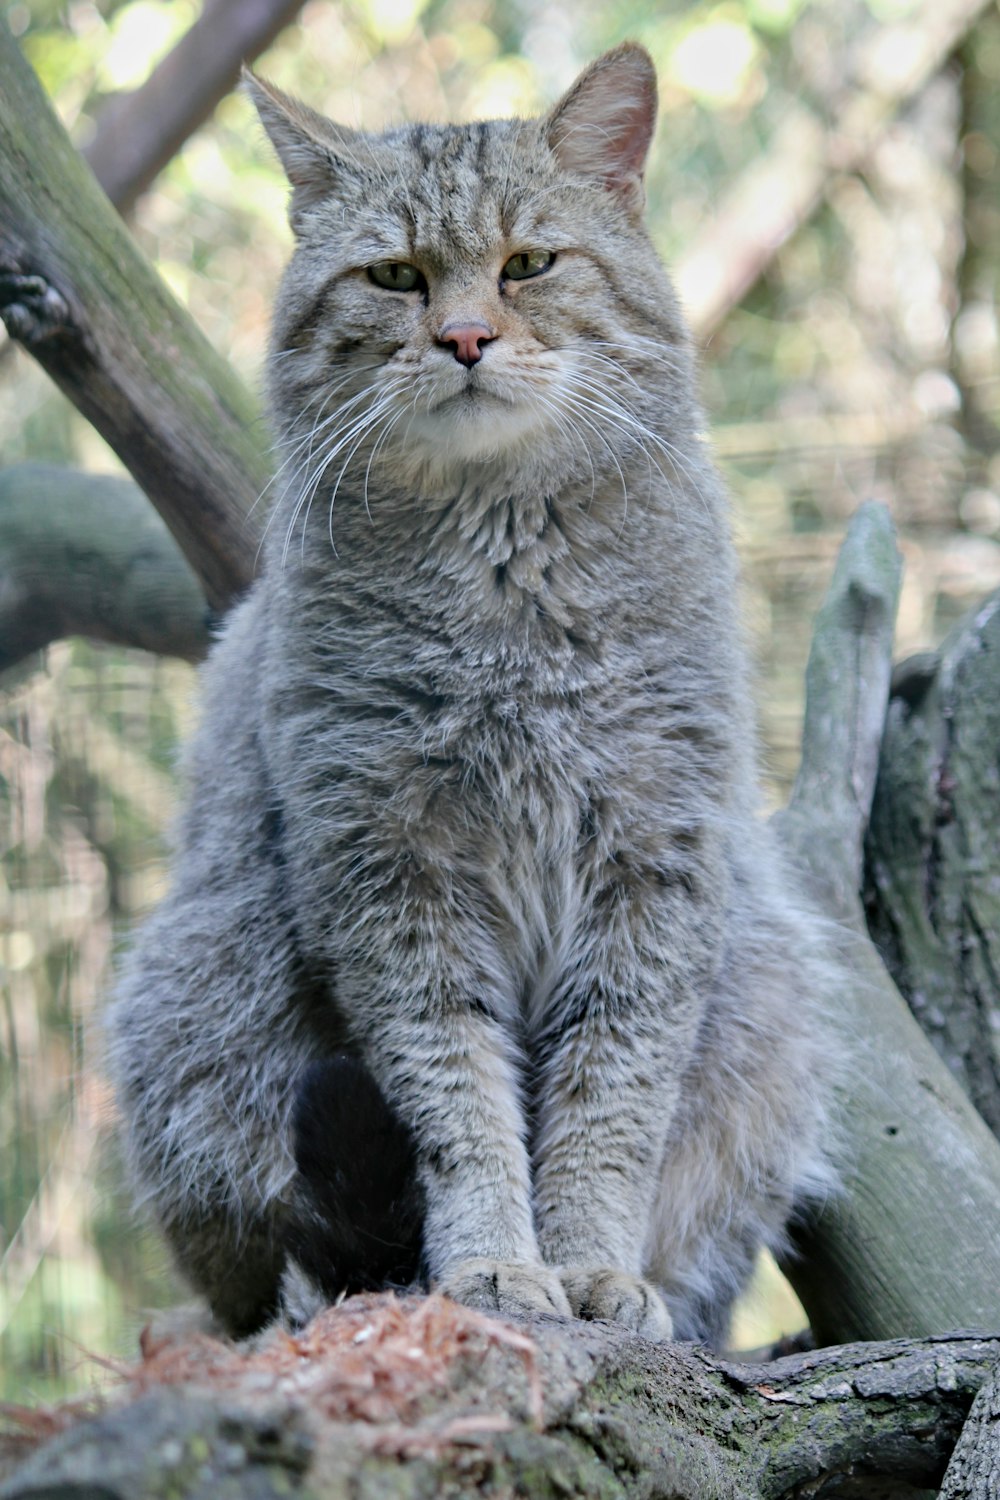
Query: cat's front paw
<point x="299" y="1298"/>
<point x="619" y="1298"/>
<point x="514" y="1288"/>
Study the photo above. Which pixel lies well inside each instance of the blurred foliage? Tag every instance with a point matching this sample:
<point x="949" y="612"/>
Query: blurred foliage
<point x="865" y="362"/>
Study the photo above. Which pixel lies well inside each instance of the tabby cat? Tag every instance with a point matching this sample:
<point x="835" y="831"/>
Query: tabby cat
<point x="478" y="966"/>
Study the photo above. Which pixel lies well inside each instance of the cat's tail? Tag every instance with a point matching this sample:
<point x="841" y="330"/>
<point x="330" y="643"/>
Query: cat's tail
<point x="356" y="1221"/>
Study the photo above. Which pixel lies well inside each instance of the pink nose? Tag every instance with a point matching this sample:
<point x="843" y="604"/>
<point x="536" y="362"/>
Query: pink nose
<point x="466" y="341"/>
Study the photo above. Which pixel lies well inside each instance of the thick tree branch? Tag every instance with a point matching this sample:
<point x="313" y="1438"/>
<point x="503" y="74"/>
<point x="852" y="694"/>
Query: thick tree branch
<point x="913" y="1245"/>
<point x="89" y="307"/>
<point x="138" y="133"/>
<point x="421" y="1398"/>
<point x="84" y="554"/>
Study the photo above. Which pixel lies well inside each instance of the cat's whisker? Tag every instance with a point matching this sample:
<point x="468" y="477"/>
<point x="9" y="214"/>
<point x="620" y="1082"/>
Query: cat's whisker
<point x="564" y="421"/>
<point x="386" y="422"/>
<point x="315" y="482"/>
<point x="308" y="488"/>
<point x="319" y="424"/>
<point x="626" y="419"/>
<point x="640" y="347"/>
<point x="277" y="355"/>
<point x="305" y="496"/>
<point x="616" y="366"/>
<point x="602" y="404"/>
<point x="329" y="452"/>
<point x="287" y="484"/>
<point x="413" y="412"/>
<point x="380" y="440"/>
<point x="359" y="428"/>
<point x="285" y="463"/>
<point x="573" y="400"/>
<point x="635" y="432"/>
<point x="624" y="365"/>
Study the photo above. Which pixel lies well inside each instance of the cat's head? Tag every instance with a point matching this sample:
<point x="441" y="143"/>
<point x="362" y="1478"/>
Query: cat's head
<point x="479" y="294"/>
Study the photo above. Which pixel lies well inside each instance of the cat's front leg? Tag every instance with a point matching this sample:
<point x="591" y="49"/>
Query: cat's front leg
<point x="605" y="1110"/>
<point x="619" y="1037"/>
<point x="428" y="1022"/>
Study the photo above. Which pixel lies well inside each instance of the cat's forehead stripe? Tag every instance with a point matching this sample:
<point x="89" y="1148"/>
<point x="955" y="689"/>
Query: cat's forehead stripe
<point x="466" y="186"/>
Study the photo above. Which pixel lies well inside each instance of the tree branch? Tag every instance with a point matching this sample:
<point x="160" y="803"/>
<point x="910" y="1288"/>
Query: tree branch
<point x="83" y="554"/>
<point x="89" y="307"/>
<point x="384" y="1397"/>
<point x="137" y="133"/>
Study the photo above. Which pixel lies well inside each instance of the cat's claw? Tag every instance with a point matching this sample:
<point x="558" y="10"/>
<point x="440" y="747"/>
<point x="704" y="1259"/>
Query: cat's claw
<point x="514" y="1288"/>
<point x="613" y="1295"/>
<point x="31" y="308"/>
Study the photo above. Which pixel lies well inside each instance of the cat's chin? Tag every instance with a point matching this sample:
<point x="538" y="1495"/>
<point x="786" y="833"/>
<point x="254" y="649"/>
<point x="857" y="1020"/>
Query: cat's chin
<point x="474" y="427"/>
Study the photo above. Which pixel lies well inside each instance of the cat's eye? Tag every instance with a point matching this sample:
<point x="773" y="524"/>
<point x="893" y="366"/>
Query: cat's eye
<point x="527" y="263"/>
<point x="396" y="276"/>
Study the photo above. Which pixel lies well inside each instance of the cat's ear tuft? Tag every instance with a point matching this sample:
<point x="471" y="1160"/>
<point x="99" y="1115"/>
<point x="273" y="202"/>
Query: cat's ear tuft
<point x="603" y="126"/>
<point x="314" y="152"/>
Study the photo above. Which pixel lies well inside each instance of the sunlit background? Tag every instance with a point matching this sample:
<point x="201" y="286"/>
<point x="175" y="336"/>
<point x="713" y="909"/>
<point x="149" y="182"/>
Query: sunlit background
<point x="862" y="361"/>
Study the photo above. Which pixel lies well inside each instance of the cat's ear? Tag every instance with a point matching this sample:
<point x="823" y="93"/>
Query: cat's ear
<point x="603" y="126"/>
<point x="315" y="153"/>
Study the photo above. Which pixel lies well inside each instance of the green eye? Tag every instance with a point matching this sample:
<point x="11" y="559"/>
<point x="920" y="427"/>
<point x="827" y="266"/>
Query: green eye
<point x="396" y="276"/>
<point x="528" y="263"/>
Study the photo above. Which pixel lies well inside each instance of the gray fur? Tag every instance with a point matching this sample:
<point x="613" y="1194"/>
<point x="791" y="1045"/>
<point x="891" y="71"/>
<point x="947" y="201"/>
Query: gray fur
<point x="473" y="792"/>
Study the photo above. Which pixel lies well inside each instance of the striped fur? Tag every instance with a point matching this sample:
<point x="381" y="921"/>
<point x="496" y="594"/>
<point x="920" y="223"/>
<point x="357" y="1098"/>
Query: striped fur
<point x="472" y="800"/>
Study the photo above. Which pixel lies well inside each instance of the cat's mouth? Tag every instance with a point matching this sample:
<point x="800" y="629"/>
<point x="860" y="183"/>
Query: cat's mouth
<point x="471" y="395"/>
<point x="476" y="421"/>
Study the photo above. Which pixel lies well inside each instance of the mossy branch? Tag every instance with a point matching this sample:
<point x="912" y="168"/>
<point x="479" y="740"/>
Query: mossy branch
<point x="85" y="554"/>
<point x="87" y="304"/>
<point x="421" y="1398"/>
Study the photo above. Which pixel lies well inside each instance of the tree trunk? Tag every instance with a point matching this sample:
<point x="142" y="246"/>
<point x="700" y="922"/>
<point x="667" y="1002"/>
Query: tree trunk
<point x="974" y="1470"/>
<point x="933" y="885"/>
<point x="75" y="289"/>
<point x="923" y="1177"/>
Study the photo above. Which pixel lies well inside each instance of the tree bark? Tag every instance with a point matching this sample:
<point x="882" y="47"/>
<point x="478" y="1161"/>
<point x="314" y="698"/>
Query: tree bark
<point x="383" y="1398"/>
<point x="83" y="554"/>
<point x="933" y="882"/>
<point x="82" y="299"/>
<point x="138" y="133"/>
<point x="912" y="1246"/>
<point x="974" y="1470"/>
